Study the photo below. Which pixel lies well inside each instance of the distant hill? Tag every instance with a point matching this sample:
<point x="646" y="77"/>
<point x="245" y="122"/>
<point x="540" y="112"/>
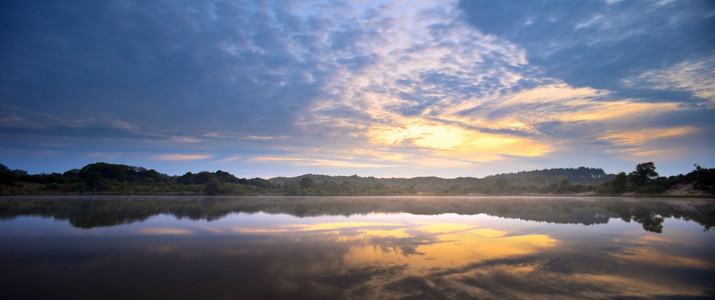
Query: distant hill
<point x="432" y="185"/>
<point x="580" y="175"/>
<point x="545" y="177"/>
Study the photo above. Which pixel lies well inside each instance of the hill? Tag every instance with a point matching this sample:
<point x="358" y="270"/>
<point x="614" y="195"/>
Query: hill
<point x="535" y="180"/>
<point x="580" y="175"/>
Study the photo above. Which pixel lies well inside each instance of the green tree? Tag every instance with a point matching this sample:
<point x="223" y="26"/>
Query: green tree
<point x="307" y="183"/>
<point x="293" y="188"/>
<point x="213" y="187"/>
<point x="619" y="183"/>
<point x="644" y="173"/>
<point x="93" y="180"/>
<point x="501" y="185"/>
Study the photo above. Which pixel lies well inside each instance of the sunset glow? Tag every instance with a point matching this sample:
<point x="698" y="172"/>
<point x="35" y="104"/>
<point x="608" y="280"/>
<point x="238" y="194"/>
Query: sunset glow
<point x="373" y="88"/>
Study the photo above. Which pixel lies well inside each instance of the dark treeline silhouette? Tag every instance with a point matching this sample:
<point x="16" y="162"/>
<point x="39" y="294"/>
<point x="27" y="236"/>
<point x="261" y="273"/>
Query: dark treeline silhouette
<point x="117" y="179"/>
<point x="97" y="211"/>
<point x="645" y="180"/>
<point x="104" y="178"/>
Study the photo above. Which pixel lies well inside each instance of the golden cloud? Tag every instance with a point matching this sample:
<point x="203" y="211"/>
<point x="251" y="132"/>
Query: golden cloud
<point x="453" y="141"/>
<point x="639" y="137"/>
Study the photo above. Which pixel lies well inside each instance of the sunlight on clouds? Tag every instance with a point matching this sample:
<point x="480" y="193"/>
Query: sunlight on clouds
<point x="454" y="141"/>
<point x="408" y="66"/>
<point x="646" y="153"/>
<point x="450" y="96"/>
<point x="182" y="156"/>
<point x="523" y="111"/>
<point x="638" y="137"/>
<point x="598" y="111"/>
<point x="398" y="85"/>
<point x="553" y="93"/>
<point x="648" y="142"/>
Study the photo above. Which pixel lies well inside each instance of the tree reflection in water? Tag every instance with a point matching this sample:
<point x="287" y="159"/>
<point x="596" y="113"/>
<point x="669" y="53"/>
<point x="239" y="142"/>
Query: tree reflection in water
<point x="89" y="212"/>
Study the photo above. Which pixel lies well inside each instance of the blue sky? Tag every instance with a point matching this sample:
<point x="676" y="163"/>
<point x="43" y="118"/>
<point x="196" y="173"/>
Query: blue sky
<point x="374" y="88"/>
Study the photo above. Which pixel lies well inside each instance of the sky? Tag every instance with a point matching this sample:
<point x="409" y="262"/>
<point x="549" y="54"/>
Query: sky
<point x="374" y="88"/>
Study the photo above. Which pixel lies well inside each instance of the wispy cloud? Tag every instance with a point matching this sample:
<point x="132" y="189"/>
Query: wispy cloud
<point x="182" y="156"/>
<point x="228" y="159"/>
<point x="697" y="77"/>
<point x="265" y="138"/>
<point x="638" y="137"/>
<point x="185" y="139"/>
<point x="305" y="161"/>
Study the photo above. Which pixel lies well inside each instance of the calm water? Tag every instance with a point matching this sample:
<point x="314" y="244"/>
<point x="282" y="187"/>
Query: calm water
<point x="346" y="248"/>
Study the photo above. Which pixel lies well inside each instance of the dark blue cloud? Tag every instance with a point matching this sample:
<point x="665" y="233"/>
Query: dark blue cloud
<point x="187" y="67"/>
<point x="597" y="44"/>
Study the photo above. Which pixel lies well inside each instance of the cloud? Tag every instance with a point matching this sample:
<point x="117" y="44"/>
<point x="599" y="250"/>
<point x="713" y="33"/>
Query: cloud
<point x="228" y="159"/>
<point x="635" y="138"/>
<point x="353" y="84"/>
<point x="454" y="141"/>
<point x="185" y="139"/>
<point x="306" y="161"/>
<point x="263" y="138"/>
<point x="657" y="143"/>
<point x="182" y="157"/>
<point x="696" y="77"/>
<point x="424" y="60"/>
<point x="598" y="43"/>
<point x="438" y="89"/>
<point x="159" y="72"/>
<point x="526" y="110"/>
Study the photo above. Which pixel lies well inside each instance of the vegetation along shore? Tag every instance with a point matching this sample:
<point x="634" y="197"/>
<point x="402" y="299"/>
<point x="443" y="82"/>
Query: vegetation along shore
<point x="117" y="179"/>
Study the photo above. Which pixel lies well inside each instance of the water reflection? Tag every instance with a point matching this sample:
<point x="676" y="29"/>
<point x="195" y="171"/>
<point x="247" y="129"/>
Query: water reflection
<point x="448" y="249"/>
<point x="356" y="249"/>
<point x="89" y="212"/>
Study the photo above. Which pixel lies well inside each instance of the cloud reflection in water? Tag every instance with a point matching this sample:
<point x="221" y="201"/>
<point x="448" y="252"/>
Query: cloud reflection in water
<point x="358" y="248"/>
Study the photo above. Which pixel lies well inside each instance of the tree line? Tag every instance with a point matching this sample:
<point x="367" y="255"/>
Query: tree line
<point x="645" y="180"/>
<point x="118" y="179"/>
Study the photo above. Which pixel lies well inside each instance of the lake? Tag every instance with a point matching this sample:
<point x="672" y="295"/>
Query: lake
<point x="85" y="247"/>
